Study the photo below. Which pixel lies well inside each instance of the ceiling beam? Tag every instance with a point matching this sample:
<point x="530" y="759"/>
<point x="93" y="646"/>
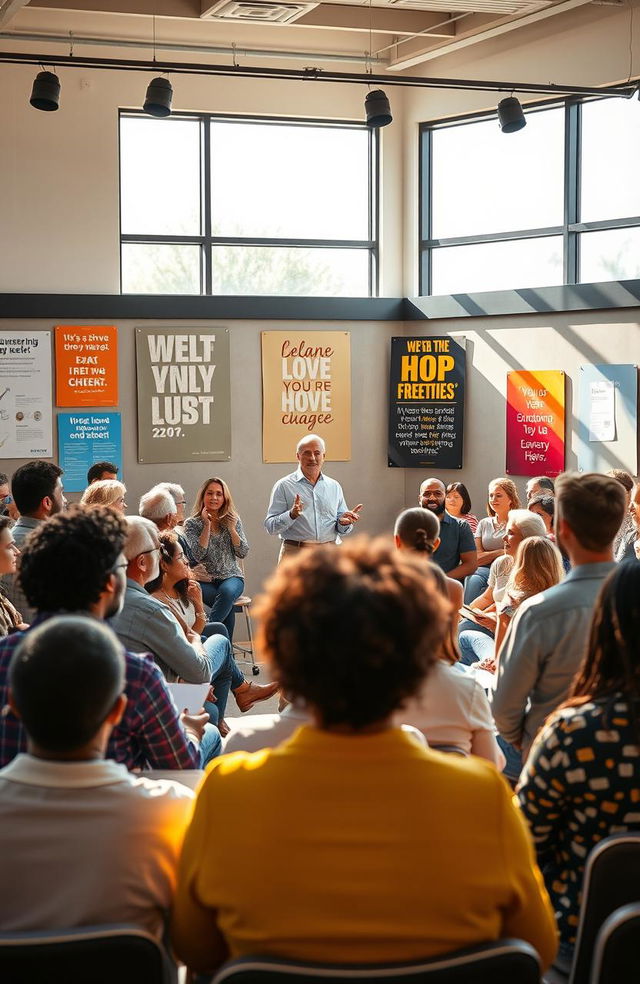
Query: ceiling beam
<point x="410" y="53"/>
<point x="9" y="9"/>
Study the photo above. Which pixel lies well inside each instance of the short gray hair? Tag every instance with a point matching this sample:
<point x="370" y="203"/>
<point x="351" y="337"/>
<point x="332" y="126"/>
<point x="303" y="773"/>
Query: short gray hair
<point x="142" y="535"/>
<point x="175" y="491"/>
<point x="311" y="437"/>
<point x="529" y="523"/>
<point x="157" y="503"/>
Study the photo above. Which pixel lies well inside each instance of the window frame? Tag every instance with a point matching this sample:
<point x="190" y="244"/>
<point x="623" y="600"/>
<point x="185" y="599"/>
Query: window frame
<point x="571" y="228"/>
<point x="206" y="241"/>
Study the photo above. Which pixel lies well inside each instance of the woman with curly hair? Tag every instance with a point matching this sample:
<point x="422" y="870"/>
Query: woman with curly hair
<point x="365" y="846"/>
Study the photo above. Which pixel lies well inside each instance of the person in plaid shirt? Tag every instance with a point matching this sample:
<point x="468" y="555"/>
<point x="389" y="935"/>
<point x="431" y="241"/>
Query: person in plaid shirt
<point x="74" y="563"/>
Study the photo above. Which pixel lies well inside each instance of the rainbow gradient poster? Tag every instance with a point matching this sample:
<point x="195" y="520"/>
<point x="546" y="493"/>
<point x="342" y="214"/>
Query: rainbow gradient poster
<point x="535" y="422"/>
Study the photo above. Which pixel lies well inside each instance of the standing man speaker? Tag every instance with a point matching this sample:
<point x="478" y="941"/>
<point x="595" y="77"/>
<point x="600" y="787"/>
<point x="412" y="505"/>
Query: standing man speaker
<point x="307" y="507"/>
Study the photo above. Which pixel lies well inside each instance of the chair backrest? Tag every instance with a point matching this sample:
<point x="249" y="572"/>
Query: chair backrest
<point x="616" y="957"/>
<point x="611" y="880"/>
<point x="87" y="955"/>
<point x="502" y="962"/>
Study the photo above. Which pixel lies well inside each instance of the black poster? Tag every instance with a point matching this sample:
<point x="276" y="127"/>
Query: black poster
<point x="426" y="403"/>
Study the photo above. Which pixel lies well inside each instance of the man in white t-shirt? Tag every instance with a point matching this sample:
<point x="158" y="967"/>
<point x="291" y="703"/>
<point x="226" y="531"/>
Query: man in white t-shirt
<point x="83" y="841"/>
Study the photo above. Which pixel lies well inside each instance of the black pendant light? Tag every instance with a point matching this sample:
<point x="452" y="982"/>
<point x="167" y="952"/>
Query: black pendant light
<point x="510" y="115"/>
<point x="45" y="94"/>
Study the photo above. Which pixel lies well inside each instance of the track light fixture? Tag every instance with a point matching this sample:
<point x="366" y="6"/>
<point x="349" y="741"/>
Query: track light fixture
<point x="510" y="115"/>
<point x="157" y="101"/>
<point x="378" y="110"/>
<point x="45" y="94"/>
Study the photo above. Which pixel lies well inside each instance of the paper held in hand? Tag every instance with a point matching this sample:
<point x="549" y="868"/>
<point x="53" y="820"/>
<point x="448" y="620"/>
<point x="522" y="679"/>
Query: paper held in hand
<point x="189" y="695"/>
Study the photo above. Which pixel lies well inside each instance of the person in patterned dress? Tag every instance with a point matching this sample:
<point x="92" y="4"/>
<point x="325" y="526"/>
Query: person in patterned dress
<point x="581" y="782"/>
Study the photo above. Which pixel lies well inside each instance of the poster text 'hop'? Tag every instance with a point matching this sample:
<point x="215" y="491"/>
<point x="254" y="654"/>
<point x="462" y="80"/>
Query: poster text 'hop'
<point x="183" y="377"/>
<point x="306" y="381"/>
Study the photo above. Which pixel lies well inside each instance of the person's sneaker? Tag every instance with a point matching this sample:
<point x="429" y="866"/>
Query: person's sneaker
<point x="249" y="693"/>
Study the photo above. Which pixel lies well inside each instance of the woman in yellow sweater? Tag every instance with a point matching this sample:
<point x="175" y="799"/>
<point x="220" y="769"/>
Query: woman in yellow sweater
<point x="372" y="847"/>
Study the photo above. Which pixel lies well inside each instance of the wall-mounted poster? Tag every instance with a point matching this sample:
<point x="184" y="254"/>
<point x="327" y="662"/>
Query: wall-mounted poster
<point x="184" y="402"/>
<point x="86" y="365"/>
<point x="25" y="395"/>
<point x="306" y="389"/>
<point x="426" y="402"/>
<point x="84" y="439"/>
<point x="607" y="427"/>
<point x="535" y="422"/>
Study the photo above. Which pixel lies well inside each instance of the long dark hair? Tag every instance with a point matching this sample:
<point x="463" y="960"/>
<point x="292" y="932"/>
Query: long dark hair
<point x="169" y="544"/>
<point x="612" y="661"/>
<point x="463" y="492"/>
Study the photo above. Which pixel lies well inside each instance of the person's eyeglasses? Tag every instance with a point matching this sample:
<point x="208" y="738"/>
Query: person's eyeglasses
<point x="151" y="550"/>
<point x="181" y="502"/>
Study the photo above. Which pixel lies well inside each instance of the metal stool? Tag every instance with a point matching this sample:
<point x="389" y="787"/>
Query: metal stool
<point x="242" y="605"/>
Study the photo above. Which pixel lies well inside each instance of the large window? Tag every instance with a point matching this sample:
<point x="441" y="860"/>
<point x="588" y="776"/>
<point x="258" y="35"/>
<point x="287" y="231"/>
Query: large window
<point x="553" y="203"/>
<point x="218" y="205"/>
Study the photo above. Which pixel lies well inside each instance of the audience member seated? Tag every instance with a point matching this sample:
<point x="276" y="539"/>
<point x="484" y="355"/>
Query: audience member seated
<point x="216" y="540"/>
<point x="540" y="485"/>
<point x="544" y="506"/>
<point x="489" y="535"/>
<point x="177" y="493"/>
<point x="458" y="504"/>
<point x="10" y="619"/>
<point x="371" y="847"/>
<point x="546" y="640"/>
<point x="580" y="783"/>
<point x="477" y="640"/>
<point x="451" y="708"/>
<point x="74" y="563"/>
<point x="147" y="625"/>
<point x="158" y="505"/>
<point x="627" y="546"/>
<point x="83" y="841"/>
<point x="456" y="554"/>
<point x="7" y="505"/>
<point x="102" y="470"/>
<point x="37" y="491"/>
<point x="108" y="492"/>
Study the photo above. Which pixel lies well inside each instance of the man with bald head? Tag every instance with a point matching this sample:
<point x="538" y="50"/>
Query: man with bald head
<point x="457" y="554"/>
<point x="307" y="507"/>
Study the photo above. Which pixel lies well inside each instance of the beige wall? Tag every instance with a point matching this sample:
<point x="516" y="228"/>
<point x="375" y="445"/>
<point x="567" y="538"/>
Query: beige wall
<point x="59" y="222"/>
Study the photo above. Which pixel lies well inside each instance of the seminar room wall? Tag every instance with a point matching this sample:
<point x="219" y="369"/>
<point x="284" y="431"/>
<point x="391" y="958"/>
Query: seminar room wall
<point x="498" y="345"/>
<point x="366" y="478"/>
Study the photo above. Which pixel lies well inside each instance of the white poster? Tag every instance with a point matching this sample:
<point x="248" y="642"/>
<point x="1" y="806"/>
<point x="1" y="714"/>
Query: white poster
<point x="26" y="395"/>
<point x="602" y="412"/>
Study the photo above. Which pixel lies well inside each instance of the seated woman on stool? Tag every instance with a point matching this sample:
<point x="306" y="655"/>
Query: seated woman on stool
<point x="216" y="539"/>
<point x="372" y="848"/>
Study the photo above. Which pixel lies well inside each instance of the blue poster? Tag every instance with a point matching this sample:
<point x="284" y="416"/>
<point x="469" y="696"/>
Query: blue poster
<point x="84" y="438"/>
<point x="607" y="427"/>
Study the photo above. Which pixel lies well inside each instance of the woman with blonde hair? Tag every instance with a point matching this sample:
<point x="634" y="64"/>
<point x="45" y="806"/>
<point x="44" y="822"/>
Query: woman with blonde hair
<point x="451" y="709"/>
<point x="216" y="540"/>
<point x="502" y="498"/>
<point x="108" y="492"/>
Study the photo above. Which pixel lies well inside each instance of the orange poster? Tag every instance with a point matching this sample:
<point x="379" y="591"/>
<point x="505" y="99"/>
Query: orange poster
<point x="86" y="365"/>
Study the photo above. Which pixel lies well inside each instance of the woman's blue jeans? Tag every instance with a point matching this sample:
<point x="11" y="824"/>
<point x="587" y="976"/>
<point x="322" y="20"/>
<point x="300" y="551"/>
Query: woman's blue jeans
<point x="221" y="595"/>
<point x="475" y="584"/>
<point x="475" y="645"/>
<point x="225" y="674"/>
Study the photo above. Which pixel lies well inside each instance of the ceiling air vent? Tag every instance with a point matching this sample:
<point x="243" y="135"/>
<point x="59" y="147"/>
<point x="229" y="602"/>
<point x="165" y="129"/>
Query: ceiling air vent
<point x="258" y="11"/>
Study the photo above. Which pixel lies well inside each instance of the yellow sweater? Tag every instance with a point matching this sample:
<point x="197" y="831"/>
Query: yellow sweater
<point x="335" y="848"/>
